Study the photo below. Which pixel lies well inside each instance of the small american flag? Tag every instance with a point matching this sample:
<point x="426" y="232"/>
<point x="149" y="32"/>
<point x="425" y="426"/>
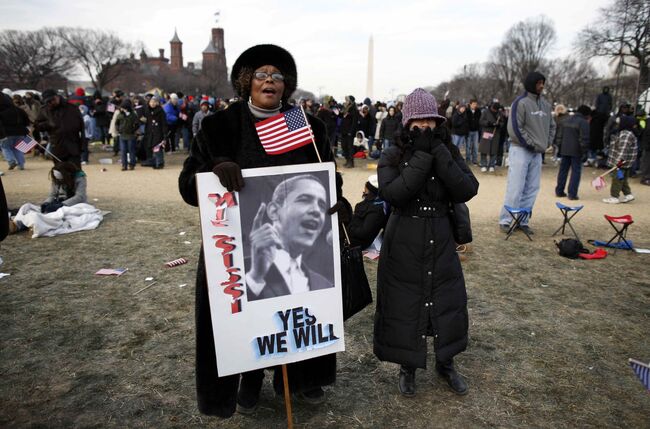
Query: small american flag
<point x="26" y="144"/>
<point x="284" y="132"/>
<point x="642" y="370"/>
<point x="159" y="146"/>
<point x="111" y="271"/>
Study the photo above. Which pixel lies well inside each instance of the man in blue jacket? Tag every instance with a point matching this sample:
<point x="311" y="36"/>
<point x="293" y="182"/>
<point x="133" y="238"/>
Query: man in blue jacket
<point x="172" y="112"/>
<point x="531" y="129"/>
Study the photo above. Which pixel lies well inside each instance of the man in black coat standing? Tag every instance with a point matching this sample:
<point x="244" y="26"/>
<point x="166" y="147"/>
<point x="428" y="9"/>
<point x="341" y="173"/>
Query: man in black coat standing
<point x="574" y="145"/>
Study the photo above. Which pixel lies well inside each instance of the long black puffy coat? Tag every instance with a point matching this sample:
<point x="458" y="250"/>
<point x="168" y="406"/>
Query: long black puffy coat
<point x="229" y="135"/>
<point x="420" y="284"/>
<point x="155" y="129"/>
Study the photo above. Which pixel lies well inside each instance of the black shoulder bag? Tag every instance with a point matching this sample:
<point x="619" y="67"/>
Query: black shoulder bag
<point x="356" y="290"/>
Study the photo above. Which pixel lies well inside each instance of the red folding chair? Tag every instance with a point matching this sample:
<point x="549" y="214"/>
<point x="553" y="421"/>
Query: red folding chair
<point x="620" y="225"/>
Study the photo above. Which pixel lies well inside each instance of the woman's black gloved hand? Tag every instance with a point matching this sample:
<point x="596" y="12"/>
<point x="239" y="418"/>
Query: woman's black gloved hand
<point x="424" y="140"/>
<point x="229" y="175"/>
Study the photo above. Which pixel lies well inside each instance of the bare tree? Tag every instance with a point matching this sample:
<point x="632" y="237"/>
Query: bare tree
<point x="522" y="50"/>
<point x="101" y="54"/>
<point x="621" y="33"/>
<point x="27" y="58"/>
<point x="570" y="81"/>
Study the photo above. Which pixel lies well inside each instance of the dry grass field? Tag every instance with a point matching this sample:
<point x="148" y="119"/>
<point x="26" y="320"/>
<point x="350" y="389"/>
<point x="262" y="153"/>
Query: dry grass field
<point x="549" y="337"/>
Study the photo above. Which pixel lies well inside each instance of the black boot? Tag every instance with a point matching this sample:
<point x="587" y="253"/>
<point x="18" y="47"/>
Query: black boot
<point x="349" y="163"/>
<point x="455" y="381"/>
<point x="249" y="391"/>
<point x="407" y="380"/>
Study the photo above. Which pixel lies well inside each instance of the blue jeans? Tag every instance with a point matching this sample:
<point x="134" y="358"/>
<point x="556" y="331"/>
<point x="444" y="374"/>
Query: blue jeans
<point x="575" y="163"/>
<point x="459" y="141"/>
<point x="524" y="177"/>
<point x="472" y="148"/>
<point x="387" y="143"/>
<point x="488" y="163"/>
<point x="371" y="140"/>
<point x="12" y="155"/>
<point x="127" y="146"/>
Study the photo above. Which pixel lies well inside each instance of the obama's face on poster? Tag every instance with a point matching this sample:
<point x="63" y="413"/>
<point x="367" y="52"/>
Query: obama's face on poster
<point x="299" y="219"/>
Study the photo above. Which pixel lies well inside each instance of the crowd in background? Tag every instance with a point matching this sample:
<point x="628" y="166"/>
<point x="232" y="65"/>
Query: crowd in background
<point x="141" y="128"/>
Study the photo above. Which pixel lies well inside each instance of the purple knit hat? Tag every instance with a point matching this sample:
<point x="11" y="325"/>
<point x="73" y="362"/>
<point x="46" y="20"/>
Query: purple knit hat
<point x="419" y="105"/>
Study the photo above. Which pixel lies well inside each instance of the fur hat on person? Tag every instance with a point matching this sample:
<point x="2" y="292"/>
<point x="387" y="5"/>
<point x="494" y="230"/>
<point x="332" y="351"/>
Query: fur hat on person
<point x="173" y="96"/>
<point x="260" y="55"/>
<point x="560" y="109"/>
<point x="421" y="105"/>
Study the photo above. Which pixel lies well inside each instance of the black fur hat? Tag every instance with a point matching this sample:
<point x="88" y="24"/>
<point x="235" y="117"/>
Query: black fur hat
<point x="260" y="55"/>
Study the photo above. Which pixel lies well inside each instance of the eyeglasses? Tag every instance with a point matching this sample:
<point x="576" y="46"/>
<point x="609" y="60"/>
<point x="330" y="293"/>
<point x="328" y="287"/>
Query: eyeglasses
<point x="264" y="75"/>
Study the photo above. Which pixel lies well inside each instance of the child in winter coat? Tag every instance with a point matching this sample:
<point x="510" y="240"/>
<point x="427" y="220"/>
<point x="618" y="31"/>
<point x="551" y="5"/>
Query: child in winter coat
<point x="622" y="153"/>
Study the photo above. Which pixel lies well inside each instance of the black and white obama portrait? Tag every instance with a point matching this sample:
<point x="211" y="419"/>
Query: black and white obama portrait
<point x="284" y="226"/>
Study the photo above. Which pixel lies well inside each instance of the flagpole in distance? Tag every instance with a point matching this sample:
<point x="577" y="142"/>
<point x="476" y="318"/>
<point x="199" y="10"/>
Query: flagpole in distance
<point x="311" y="133"/>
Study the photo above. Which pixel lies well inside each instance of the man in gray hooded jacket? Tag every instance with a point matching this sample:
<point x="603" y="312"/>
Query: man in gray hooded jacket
<point x="531" y="129"/>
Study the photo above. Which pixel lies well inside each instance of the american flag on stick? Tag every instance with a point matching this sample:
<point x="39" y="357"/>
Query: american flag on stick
<point x="284" y="132"/>
<point x="642" y="370"/>
<point x="26" y="144"/>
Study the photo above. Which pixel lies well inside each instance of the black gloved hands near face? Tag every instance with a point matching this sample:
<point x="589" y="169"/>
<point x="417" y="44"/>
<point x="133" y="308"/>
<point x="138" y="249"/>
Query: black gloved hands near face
<point x="51" y="207"/>
<point x="424" y="140"/>
<point x="229" y="175"/>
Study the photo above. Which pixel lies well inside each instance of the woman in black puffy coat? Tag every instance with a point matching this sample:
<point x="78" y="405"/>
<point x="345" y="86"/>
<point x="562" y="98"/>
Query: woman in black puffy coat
<point x="420" y="285"/>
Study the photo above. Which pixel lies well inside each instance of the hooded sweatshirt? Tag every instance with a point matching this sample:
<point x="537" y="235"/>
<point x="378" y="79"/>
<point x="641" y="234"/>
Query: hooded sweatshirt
<point x="531" y="125"/>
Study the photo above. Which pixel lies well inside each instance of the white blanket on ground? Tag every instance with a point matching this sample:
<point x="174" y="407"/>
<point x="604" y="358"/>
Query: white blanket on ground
<point x="80" y="217"/>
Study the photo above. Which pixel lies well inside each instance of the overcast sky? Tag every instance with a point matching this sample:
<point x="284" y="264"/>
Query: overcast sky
<point x="417" y="43"/>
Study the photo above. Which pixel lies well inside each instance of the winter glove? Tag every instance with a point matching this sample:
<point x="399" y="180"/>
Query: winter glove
<point x="229" y="175"/>
<point x="425" y="140"/>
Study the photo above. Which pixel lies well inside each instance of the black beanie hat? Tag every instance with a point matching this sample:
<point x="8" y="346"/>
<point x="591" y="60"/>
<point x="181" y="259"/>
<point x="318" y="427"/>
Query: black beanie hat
<point x="48" y="94"/>
<point x="261" y="55"/>
<point x="584" y="110"/>
<point x="126" y="104"/>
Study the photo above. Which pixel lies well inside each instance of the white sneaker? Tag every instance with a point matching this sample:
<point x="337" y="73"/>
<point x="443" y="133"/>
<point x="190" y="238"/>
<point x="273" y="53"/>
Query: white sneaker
<point x="627" y="198"/>
<point x="611" y="200"/>
<point x="483" y="169"/>
<point x="84" y="163"/>
<point x="491" y="170"/>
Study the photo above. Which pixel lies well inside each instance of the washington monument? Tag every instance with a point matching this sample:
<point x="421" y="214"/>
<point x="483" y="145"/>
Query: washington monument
<point x="369" y="82"/>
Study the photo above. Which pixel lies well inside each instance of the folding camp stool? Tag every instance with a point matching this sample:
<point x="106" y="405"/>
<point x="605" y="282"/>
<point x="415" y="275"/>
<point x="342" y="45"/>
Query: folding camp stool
<point x="623" y="223"/>
<point x="567" y="218"/>
<point x="518" y="216"/>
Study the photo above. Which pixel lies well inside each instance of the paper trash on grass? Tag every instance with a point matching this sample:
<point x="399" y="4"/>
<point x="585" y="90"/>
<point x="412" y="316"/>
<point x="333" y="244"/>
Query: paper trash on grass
<point x="111" y="271"/>
<point x="187" y="242"/>
<point x="182" y="233"/>
<point x="105" y="161"/>
<point x="4" y="275"/>
<point x="637" y="250"/>
<point x="148" y="279"/>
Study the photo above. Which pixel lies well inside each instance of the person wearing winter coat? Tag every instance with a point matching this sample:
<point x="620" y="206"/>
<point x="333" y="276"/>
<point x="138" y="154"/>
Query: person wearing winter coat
<point x="460" y="129"/>
<point x="89" y="131"/>
<point x="328" y="117"/>
<point x="369" y="216"/>
<point x="572" y="148"/>
<point x="622" y="153"/>
<point x="531" y="128"/>
<point x="473" y="120"/>
<point x="127" y="124"/>
<point x="264" y="77"/>
<point x="349" y="128"/>
<point x="491" y="121"/>
<point x="155" y="130"/>
<point x="63" y="122"/>
<point x="204" y="110"/>
<point x="420" y="286"/>
<point x="13" y="128"/>
<point x="172" y="114"/>
<point x="389" y="128"/>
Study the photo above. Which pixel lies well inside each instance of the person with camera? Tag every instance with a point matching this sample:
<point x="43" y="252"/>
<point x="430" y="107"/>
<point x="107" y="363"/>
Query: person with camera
<point x="420" y="285"/>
